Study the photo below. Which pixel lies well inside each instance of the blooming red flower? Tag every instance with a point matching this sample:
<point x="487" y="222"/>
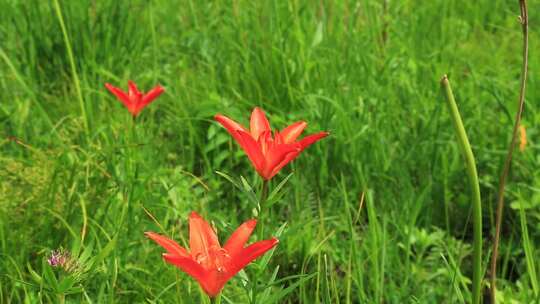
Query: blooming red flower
<point x="207" y="262"/>
<point x="134" y="100"/>
<point x="269" y="154"/>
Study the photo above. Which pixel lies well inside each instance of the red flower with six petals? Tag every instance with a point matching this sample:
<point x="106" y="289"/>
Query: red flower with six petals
<point x="269" y="154"/>
<point x="134" y="100"/>
<point x="207" y="262"/>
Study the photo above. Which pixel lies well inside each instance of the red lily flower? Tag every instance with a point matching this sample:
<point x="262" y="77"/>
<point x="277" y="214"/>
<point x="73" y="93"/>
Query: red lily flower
<point x="269" y="154"/>
<point x="207" y="262"/>
<point x="134" y="100"/>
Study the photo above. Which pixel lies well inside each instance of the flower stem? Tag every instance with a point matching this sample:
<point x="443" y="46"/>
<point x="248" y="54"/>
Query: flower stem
<point x="61" y="298"/>
<point x="262" y="201"/>
<point x="216" y="299"/>
<point x="131" y="172"/>
<point x="470" y="163"/>
<point x="508" y="160"/>
<point x="264" y="193"/>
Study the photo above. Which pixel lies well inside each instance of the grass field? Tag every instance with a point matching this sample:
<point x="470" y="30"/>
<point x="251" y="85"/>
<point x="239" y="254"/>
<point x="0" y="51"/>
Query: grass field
<point x="378" y="212"/>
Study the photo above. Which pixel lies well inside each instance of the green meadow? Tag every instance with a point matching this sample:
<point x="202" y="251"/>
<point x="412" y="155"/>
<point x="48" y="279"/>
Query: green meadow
<point x="380" y="211"/>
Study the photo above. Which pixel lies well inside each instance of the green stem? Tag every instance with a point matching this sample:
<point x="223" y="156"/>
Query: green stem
<point x="264" y="193"/>
<point x="134" y="131"/>
<point x="131" y="169"/>
<point x="262" y="201"/>
<point x="61" y="298"/>
<point x="216" y="299"/>
<point x="475" y="188"/>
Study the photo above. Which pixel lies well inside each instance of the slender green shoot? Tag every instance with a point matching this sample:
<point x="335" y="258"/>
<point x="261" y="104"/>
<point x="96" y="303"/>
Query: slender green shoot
<point x="262" y="201"/>
<point x="470" y="163"/>
<point x="528" y="247"/>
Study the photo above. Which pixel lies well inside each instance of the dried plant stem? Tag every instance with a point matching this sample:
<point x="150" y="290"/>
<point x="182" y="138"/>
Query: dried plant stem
<point x="508" y="161"/>
<point x="470" y="163"/>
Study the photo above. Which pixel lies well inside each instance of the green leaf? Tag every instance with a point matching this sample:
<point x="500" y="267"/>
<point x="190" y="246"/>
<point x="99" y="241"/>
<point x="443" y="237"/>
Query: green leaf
<point x="230" y="179"/>
<point x="266" y="258"/>
<point x="284" y="292"/>
<point x="275" y="195"/>
<point x="267" y="291"/>
<point x="319" y="34"/>
<point x="87" y="253"/>
<point x="74" y="290"/>
<point x="248" y="190"/>
<point x="529" y="251"/>
<point x="66" y="283"/>
<point x="103" y="253"/>
<point x="50" y="277"/>
<point x="34" y="274"/>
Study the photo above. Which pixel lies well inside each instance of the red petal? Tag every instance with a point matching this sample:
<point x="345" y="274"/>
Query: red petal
<point x="277" y="155"/>
<point x="249" y="254"/>
<point x="311" y="139"/>
<point x="265" y="142"/>
<point x="231" y="126"/>
<point x="133" y="90"/>
<point x="147" y="99"/>
<point x="121" y="95"/>
<point x="238" y="239"/>
<point x="189" y="266"/>
<point x="171" y="246"/>
<point x="252" y="150"/>
<point x="151" y="96"/>
<point x="291" y="133"/>
<point x="258" y="123"/>
<point x="278" y="137"/>
<point x="304" y="143"/>
<point x="201" y="236"/>
<point x="288" y="158"/>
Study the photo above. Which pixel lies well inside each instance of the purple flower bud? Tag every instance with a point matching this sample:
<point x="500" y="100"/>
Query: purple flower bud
<point x="57" y="258"/>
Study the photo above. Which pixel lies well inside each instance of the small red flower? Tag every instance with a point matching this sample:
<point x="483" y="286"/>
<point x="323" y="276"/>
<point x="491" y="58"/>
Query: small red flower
<point x="269" y="154"/>
<point x="134" y="100"/>
<point x="207" y="262"/>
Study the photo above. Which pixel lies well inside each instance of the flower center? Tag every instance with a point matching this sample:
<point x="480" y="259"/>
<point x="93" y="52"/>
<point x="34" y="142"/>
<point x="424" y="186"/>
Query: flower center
<point x="217" y="258"/>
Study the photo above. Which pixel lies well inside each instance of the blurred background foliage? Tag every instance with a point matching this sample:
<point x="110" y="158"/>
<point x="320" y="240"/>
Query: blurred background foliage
<point x="367" y="71"/>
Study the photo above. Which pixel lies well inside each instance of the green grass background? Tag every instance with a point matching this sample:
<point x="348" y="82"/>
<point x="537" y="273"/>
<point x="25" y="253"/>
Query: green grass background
<point x="365" y="71"/>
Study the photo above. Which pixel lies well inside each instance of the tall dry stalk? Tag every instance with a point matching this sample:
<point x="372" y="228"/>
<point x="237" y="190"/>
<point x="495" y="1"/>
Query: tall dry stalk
<point x="502" y="181"/>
